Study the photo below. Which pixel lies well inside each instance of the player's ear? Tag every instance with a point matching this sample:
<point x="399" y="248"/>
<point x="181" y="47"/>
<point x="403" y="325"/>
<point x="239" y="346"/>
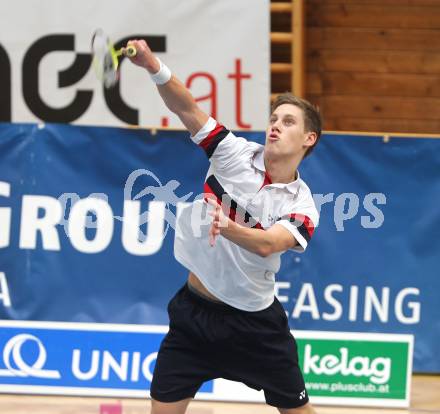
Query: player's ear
<point x="310" y="139"/>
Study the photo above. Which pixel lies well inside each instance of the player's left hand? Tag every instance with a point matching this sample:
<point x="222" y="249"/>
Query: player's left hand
<point x="219" y="220"/>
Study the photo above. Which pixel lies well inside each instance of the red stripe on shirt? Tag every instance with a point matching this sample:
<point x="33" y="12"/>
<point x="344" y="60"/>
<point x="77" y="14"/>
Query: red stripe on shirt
<point x="207" y="141"/>
<point x="209" y="193"/>
<point x="308" y="224"/>
<point x="207" y="190"/>
<point x="267" y="180"/>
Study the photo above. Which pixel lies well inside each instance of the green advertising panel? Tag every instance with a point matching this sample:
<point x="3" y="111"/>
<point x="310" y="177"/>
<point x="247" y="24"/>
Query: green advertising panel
<point x="356" y="368"/>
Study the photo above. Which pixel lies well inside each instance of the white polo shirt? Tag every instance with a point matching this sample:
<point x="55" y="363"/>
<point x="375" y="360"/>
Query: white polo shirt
<point x="238" y="179"/>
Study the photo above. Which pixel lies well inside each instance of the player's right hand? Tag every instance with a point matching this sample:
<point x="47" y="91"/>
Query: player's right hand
<point x="219" y="220"/>
<point x="144" y="56"/>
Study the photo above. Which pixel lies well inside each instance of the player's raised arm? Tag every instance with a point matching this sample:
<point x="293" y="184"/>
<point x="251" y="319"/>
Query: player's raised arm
<point x="176" y="96"/>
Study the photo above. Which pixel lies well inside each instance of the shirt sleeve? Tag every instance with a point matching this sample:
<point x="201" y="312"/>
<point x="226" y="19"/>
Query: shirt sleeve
<point x="301" y="222"/>
<point x="221" y="146"/>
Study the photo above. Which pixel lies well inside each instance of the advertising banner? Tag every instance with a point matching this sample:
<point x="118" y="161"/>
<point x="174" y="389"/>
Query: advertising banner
<point x="345" y="368"/>
<point x="213" y="47"/>
<point x="87" y="219"/>
<point x="118" y="361"/>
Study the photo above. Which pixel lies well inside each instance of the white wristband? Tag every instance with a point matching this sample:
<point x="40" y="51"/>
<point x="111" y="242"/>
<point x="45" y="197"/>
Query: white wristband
<point x="163" y="75"/>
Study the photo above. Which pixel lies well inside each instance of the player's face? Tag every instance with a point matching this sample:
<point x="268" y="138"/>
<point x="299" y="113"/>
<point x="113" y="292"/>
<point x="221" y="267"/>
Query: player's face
<point x="286" y="135"/>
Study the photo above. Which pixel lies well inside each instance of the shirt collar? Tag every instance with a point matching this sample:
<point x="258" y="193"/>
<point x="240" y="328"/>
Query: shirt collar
<point x="258" y="163"/>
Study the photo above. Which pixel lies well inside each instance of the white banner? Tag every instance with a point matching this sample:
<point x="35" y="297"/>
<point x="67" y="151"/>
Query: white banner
<point x="219" y="49"/>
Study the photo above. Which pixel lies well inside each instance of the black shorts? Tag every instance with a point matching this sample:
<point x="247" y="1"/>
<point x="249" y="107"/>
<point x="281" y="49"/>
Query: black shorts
<point x="210" y="340"/>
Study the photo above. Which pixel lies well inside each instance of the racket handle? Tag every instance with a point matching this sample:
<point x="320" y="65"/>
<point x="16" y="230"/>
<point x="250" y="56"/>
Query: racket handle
<point x="131" y="51"/>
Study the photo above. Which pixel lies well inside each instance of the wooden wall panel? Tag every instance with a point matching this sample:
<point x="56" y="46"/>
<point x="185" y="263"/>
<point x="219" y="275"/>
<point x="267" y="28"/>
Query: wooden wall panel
<point x="421" y="3"/>
<point x="374" y="65"/>
<point x="417" y="126"/>
<point x="373" y="39"/>
<point x="372" y="15"/>
<point x="373" y="61"/>
<point x="374" y="84"/>
<point x="383" y="107"/>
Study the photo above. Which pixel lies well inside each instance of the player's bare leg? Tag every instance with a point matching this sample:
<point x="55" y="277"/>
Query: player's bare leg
<point x="178" y="407"/>
<point x="305" y="409"/>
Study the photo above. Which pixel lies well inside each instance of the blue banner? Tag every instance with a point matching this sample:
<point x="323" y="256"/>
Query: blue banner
<point x="70" y="250"/>
<point x="86" y="357"/>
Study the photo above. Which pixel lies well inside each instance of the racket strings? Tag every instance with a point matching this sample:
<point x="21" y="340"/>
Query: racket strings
<point x="105" y="59"/>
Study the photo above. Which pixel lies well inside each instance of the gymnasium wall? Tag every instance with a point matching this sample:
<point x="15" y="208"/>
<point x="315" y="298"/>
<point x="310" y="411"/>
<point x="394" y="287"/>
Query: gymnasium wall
<point x="74" y="258"/>
<point x="371" y="65"/>
<point x="73" y="200"/>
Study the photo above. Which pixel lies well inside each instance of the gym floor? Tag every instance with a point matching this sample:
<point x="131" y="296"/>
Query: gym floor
<point x="425" y="399"/>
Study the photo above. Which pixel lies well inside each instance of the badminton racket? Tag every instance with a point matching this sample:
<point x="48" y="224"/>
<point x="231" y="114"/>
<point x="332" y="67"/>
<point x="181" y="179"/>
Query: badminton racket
<point x="106" y="58"/>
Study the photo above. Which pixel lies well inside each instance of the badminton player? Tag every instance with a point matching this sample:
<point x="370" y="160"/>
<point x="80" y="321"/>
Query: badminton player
<point x="226" y="322"/>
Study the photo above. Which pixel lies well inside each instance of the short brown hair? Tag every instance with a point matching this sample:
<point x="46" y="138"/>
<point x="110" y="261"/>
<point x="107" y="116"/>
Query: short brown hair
<point x="312" y="117"/>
